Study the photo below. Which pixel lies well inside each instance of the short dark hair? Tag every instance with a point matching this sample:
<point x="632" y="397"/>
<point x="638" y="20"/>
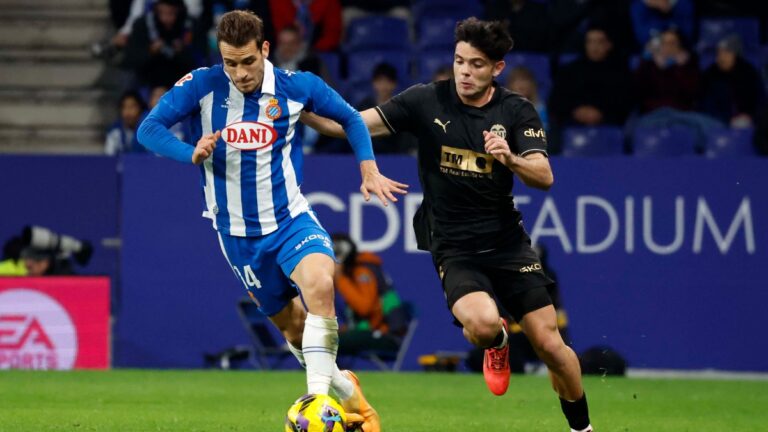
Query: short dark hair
<point x="239" y="27"/>
<point x="490" y="37"/>
<point x="385" y="70"/>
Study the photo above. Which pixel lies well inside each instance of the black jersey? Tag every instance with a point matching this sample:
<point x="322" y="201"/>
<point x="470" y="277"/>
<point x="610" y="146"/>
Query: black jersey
<point x="468" y="205"/>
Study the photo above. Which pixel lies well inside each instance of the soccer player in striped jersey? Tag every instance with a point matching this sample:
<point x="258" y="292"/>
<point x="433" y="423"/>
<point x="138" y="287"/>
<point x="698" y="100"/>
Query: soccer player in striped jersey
<point x="244" y="115"/>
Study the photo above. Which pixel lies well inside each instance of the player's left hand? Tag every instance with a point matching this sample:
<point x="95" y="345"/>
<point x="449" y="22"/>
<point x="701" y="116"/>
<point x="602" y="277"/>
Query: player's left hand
<point x="376" y="183"/>
<point x="499" y="148"/>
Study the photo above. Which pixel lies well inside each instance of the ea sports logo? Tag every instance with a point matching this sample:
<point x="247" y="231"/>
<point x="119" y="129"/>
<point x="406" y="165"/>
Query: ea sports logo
<point x="249" y="135"/>
<point x="36" y="332"/>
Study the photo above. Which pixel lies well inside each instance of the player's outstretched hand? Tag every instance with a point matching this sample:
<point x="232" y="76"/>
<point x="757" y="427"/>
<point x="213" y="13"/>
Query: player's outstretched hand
<point x="204" y="147"/>
<point x="498" y="148"/>
<point x="376" y="183"/>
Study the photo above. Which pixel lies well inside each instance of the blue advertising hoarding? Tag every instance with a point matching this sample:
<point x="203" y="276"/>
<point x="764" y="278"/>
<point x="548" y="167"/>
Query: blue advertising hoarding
<point x="660" y="259"/>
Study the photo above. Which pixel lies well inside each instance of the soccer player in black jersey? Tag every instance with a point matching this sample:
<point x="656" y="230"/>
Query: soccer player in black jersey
<point x="474" y="137"/>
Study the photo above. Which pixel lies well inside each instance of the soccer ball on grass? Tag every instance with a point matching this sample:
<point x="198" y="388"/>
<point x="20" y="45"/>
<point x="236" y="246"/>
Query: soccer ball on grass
<point x="315" y="413"/>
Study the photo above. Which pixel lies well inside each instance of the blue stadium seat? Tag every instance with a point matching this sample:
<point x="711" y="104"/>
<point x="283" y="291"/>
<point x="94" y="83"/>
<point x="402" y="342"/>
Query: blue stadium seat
<point x="361" y="64"/>
<point x="567" y="57"/>
<point x="455" y="9"/>
<point x="662" y="142"/>
<point x="431" y="60"/>
<point x="593" y="141"/>
<point x="436" y="33"/>
<point x="377" y="32"/>
<point x="537" y="63"/>
<point x="730" y="143"/>
<point x="711" y="31"/>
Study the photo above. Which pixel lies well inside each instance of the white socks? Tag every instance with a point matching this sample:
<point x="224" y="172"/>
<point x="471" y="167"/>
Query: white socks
<point x="505" y="339"/>
<point x="318" y="356"/>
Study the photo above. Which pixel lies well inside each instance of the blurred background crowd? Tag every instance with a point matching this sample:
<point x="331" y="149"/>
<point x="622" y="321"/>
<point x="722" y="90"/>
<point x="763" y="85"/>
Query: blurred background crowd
<point x="642" y="77"/>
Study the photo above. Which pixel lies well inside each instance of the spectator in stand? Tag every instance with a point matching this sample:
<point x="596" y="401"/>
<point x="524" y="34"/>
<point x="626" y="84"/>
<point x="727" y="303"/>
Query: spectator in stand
<point x="521" y="81"/>
<point x="164" y="44"/>
<point x="121" y="136"/>
<point x="384" y="83"/>
<point x="732" y="89"/>
<point x="594" y="89"/>
<point x="669" y="77"/>
<point x="318" y="20"/>
<point x="667" y="85"/>
<point x="292" y="54"/>
<point x="352" y="9"/>
<point x="124" y="13"/>
<point x="528" y="22"/>
<point x="571" y="19"/>
<point x="652" y="17"/>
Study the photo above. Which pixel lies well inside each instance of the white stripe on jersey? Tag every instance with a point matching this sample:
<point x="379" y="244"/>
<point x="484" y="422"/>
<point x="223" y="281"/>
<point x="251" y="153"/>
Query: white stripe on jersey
<point x="266" y="206"/>
<point x="206" y="107"/>
<point x="234" y="191"/>
<point x="297" y="204"/>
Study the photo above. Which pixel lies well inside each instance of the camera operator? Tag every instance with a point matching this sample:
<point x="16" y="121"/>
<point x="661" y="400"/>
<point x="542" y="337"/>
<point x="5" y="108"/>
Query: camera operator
<point x="42" y="262"/>
<point x="42" y="252"/>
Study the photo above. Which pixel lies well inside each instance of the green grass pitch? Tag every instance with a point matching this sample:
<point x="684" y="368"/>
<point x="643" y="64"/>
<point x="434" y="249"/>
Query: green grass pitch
<point x="138" y="400"/>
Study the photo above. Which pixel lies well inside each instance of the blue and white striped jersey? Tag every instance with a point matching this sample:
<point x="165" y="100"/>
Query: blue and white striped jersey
<point x="252" y="180"/>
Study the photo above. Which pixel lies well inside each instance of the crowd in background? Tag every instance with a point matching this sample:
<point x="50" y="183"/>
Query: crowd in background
<point x="626" y="64"/>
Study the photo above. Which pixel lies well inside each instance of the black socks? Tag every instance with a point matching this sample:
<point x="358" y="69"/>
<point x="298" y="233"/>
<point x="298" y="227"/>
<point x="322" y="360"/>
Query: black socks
<point x="576" y="412"/>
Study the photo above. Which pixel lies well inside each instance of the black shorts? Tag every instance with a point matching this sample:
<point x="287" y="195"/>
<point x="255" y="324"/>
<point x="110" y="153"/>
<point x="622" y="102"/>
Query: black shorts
<point x="512" y="275"/>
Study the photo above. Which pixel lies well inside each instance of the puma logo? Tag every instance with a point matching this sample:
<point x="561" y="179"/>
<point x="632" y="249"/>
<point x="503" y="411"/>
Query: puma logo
<point x="441" y="124"/>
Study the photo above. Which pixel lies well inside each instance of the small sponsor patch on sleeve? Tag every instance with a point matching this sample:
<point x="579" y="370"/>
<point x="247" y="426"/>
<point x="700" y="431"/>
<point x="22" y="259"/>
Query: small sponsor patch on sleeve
<point x="185" y="78"/>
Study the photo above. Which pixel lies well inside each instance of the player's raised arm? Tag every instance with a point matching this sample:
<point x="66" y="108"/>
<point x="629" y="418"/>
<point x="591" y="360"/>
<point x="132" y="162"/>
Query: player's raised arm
<point x="174" y="106"/>
<point x="328" y="103"/>
<point x="328" y="127"/>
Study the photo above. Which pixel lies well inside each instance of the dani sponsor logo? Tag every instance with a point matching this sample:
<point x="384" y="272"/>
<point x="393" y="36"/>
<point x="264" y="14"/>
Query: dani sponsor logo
<point x="249" y="136"/>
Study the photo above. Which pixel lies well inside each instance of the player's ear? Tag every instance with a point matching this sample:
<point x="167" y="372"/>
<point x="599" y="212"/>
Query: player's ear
<point x="265" y="49"/>
<point x="498" y="67"/>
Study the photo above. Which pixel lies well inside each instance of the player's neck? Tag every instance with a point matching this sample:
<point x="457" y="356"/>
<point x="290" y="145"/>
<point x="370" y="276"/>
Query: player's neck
<point x="481" y="99"/>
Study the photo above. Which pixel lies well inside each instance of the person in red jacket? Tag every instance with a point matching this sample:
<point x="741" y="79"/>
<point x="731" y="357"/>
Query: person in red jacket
<point x="319" y="20"/>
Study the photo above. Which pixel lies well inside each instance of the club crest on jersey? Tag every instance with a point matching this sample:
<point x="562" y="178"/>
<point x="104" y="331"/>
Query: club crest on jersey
<point x="249" y="135"/>
<point x="499" y="130"/>
<point x="273" y="110"/>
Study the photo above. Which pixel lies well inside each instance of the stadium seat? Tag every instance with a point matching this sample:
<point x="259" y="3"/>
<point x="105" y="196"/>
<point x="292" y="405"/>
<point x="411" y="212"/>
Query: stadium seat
<point x="593" y="141"/>
<point x="265" y="341"/>
<point x="730" y="143"/>
<point x="567" y="57"/>
<point x="663" y="142"/>
<point x="436" y="33"/>
<point x="430" y="61"/>
<point x="377" y="32"/>
<point x="537" y="63"/>
<point x="361" y="64"/>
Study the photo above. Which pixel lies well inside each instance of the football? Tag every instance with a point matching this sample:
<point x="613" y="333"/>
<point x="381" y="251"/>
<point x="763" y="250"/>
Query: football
<point x="315" y="413"/>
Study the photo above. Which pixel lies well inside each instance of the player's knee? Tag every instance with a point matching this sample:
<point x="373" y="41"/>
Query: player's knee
<point x="549" y="346"/>
<point x="318" y="285"/>
<point x="483" y="327"/>
<point x="317" y="290"/>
